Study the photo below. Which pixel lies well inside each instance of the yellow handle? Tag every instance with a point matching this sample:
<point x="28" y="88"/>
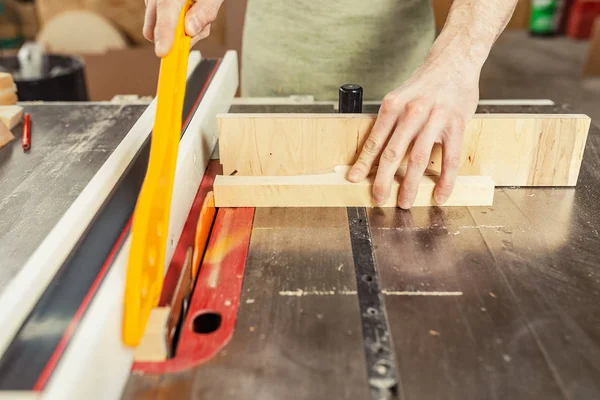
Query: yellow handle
<point x="145" y="270"/>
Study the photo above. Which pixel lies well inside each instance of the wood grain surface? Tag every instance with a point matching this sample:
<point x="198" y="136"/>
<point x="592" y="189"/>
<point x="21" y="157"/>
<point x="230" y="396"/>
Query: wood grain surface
<point x="333" y="190"/>
<point x="10" y="115"/>
<point x="513" y="149"/>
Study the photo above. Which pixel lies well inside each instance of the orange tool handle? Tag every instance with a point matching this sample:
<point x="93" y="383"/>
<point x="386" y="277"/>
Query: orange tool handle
<point x="150" y="226"/>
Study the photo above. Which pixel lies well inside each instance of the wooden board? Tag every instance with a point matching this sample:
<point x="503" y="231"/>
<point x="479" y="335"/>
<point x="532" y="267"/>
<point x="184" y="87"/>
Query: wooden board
<point x="8" y="99"/>
<point x="333" y="190"/>
<point x="513" y="149"/>
<point x="10" y="115"/>
<point x="8" y="95"/>
<point x="7" y="82"/>
<point x="153" y="346"/>
<point x="6" y="136"/>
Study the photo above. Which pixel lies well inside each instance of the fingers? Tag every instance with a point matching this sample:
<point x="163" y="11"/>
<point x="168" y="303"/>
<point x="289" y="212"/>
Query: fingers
<point x="204" y="33"/>
<point x="386" y="120"/>
<point x="167" y="15"/>
<point x="417" y="121"/>
<point x="150" y="20"/>
<point x="200" y="16"/>
<point x="451" y="148"/>
<point x="414" y="117"/>
<point x="162" y="16"/>
<point x="418" y="161"/>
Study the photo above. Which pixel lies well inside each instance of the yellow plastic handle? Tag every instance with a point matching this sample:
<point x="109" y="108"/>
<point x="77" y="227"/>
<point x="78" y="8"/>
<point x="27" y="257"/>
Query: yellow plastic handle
<point x="145" y="270"/>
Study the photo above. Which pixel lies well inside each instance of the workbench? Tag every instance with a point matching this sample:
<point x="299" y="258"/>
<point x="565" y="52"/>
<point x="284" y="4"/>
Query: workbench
<point x="479" y="302"/>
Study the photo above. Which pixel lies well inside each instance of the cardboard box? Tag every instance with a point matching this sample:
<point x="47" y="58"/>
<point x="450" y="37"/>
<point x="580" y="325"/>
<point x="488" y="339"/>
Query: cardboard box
<point x="592" y="63"/>
<point x="134" y="70"/>
<point x="519" y="20"/>
<point x="127" y="71"/>
<point x="29" y="20"/>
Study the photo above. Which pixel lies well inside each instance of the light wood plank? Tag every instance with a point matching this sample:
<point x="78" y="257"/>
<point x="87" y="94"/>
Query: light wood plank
<point x="7" y="82"/>
<point x="10" y="115"/>
<point x="6" y="136"/>
<point x="8" y="98"/>
<point x="513" y="149"/>
<point x="153" y="346"/>
<point x="333" y="190"/>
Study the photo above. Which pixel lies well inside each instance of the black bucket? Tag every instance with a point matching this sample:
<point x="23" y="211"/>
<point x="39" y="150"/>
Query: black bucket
<point x="62" y="79"/>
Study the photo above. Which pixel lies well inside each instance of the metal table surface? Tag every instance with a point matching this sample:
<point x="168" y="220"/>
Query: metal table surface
<point x="482" y="302"/>
<point x="69" y="143"/>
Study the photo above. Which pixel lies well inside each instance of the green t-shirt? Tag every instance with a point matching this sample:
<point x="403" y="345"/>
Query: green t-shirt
<point x="309" y="47"/>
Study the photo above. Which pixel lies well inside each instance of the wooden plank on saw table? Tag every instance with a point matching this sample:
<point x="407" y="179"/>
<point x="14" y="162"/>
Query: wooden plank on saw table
<point x="10" y="115"/>
<point x="6" y="136"/>
<point x="513" y="149"/>
<point x="333" y="190"/>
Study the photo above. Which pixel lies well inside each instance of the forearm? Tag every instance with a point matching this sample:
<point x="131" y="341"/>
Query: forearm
<point x="471" y="29"/>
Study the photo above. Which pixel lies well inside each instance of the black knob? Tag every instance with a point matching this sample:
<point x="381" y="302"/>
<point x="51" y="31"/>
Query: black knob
<point x="350" y="98"/>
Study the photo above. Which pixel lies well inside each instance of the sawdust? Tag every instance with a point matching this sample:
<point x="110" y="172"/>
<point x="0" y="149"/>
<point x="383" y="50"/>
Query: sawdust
<point x="302" y="293"/>
<point x="419" y="293"/>
<point x="481" y="227"/>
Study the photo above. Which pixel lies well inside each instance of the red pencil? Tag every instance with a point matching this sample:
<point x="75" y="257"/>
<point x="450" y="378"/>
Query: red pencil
<point x="26" y="141"/>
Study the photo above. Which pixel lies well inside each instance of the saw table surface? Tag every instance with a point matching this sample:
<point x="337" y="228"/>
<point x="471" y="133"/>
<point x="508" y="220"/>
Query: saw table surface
<point x="70" y="142"/>
<point x="482" y="302"/>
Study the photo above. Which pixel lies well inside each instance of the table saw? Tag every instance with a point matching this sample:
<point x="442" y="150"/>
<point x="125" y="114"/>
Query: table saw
<point x="290" y="303"/>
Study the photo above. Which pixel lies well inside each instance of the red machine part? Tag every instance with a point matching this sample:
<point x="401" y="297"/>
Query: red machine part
<point x="186" y="240"/>
<point x="212" y="313"/>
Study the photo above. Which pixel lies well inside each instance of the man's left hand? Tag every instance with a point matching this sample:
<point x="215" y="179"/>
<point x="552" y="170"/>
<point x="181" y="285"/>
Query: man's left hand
<point x="432" y="106"/>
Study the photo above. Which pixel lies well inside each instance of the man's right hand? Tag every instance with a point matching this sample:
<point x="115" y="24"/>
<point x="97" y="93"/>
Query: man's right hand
<point x="162" y="16"/>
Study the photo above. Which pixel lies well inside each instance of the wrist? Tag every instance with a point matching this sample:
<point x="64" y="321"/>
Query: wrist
<point x="461" y="48"/>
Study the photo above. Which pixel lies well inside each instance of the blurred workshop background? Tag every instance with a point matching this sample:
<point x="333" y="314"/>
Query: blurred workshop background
<point x="551" y="48"/>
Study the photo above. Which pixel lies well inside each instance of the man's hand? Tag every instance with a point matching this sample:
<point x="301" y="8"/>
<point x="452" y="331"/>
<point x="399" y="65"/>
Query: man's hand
<point x="162" y="16"/>
<point x="433" y="105"/>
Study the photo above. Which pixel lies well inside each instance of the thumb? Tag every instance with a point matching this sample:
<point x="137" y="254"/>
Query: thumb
<point x="200" y="15"/>
<point x="167" y="15"/>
